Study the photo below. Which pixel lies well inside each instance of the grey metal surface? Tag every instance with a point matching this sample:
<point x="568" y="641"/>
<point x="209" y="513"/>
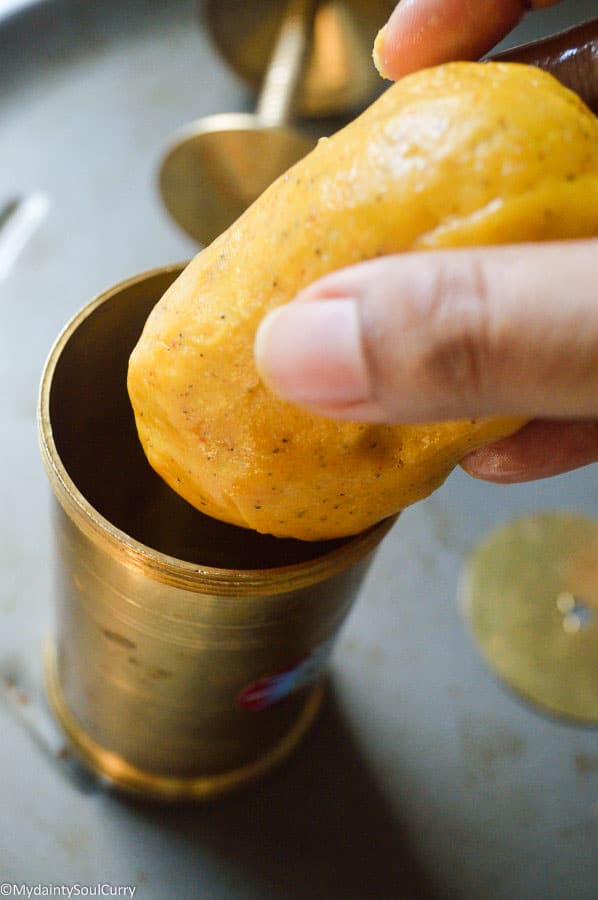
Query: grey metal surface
<point x="424" y="777"/>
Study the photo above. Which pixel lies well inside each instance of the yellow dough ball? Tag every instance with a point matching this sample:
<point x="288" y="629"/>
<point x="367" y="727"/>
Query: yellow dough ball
<point x="459" y="155"/>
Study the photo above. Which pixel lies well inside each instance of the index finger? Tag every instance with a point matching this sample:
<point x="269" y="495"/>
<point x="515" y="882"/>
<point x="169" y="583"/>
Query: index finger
<point x="424" y="33"/>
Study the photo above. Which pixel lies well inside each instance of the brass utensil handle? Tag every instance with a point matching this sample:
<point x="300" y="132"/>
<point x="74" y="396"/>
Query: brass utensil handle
<point x="282" y="78"/>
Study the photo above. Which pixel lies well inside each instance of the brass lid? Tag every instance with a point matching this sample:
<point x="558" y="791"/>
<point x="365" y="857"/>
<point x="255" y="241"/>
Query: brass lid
<point x="530" y="597"/>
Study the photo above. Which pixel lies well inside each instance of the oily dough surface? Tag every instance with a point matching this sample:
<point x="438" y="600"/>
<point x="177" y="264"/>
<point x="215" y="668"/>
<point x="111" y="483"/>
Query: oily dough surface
<point x="458" y="155"/>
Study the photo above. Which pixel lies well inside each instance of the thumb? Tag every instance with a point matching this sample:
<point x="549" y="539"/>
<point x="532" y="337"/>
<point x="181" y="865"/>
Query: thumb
<point x="443" y="335"/>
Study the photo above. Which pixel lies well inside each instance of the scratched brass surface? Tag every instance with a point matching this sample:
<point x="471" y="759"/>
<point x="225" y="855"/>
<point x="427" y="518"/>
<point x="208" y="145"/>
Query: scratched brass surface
<point x="163" y="615"/>
<point x="133" y="780"/>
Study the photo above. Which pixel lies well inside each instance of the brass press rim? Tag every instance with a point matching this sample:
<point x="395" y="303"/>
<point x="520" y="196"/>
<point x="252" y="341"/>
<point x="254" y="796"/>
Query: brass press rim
<point x="163" y="568"/>
<point x="124" y="776"/>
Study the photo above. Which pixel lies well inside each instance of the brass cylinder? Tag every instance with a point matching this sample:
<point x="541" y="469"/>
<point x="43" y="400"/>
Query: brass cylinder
<point x="188" y="654"/>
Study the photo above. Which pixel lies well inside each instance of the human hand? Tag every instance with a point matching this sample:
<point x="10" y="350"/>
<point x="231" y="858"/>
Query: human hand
<point x="423" y="33"/>
<point x="477" y="332"/>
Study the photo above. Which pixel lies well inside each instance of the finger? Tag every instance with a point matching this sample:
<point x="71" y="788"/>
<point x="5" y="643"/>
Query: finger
<point x="443" y="335"/>
<point x="424" y="33"/>
<point x="540" y="450"/>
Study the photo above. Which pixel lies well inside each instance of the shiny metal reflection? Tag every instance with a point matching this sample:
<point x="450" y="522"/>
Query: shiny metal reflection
<point x="164" y="617"/>
<point x="340" y="77"/>
<point x="217" y="166"/>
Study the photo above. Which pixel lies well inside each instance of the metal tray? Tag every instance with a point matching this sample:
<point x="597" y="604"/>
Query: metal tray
<point x="424" y="777"/>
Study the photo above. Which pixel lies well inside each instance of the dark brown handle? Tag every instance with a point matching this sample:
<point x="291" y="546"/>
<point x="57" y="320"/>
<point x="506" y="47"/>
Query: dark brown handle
<point x="571" y="56"/>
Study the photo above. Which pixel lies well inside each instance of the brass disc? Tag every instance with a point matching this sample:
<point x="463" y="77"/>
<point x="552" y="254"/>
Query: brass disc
<point x="530" y="597"/>
<point x="340" y="74"/>
<point x="217" y="166"/>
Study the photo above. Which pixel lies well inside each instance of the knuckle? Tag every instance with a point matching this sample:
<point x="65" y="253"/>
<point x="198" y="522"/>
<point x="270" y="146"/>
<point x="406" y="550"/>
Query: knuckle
<point x="457" y="354"/>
